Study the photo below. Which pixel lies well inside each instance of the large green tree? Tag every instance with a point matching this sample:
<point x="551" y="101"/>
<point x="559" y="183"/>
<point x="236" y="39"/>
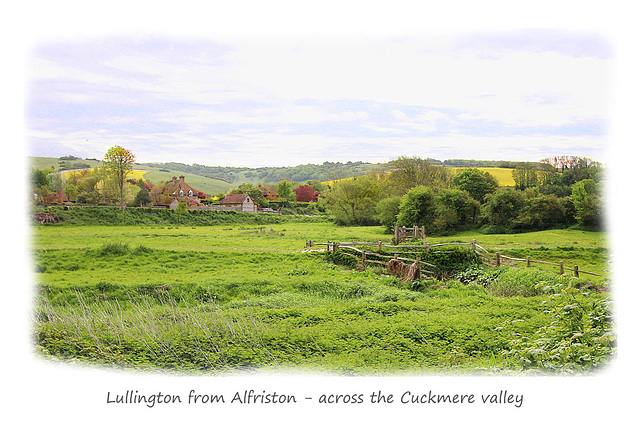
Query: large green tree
<point x="502" y="207"/>
<point x="353" y="201"/>
<point x="404" y="173"/>
<point x="118" y="162"/>
<point x="418" y="207"/>
<point x="475" y="182"/>
<point x="285" y="192"/>
<point x="455" y="210"/>
<point x="585" y="196"/>
<point x="387" y="211"/>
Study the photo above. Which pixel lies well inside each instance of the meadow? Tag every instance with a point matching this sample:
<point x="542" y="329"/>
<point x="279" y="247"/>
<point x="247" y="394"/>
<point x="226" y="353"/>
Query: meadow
<point x="241" y="297"/>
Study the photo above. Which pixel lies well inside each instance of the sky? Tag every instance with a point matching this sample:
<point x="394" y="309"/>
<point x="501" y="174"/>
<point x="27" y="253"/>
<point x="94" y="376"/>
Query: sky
<point x="283" y="101"/>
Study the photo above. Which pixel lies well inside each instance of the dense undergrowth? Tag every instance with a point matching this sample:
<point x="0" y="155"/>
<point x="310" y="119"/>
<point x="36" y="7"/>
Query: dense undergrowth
<point x="103" y="215"/>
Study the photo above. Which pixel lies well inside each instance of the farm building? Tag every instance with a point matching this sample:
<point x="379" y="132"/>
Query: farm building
<point x="269" y="195"/>
<point x="239" y="202"/>
<point x="174" y="192"/>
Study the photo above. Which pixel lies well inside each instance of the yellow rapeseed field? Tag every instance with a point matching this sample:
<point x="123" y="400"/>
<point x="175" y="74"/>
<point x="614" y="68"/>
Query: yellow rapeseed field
<point x="503" y="175"/>
<point x="134" y="174"/>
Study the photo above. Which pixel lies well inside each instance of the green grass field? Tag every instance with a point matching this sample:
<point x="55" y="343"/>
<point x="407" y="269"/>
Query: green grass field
<point x="216" y="299"/>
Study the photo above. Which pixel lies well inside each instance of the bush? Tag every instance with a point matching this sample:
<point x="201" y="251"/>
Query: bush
<point x="417" y="207"/>
<point x="455" y="210"/>
<point x="495" y="229"/>
<point x="107" y="215"/>
<point x="502" y="207"/>
<point x="521" y="282"/>
<point x="340" y="258"/>
<point x="387" y="212"/>
<point x="544" y="212"/>
<point x="115" y="248"/>
<point x="579" y="338"/>
<point x="451" y="261"/>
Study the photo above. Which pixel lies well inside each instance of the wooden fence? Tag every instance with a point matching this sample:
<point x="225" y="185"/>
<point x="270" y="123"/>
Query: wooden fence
<point x="487" y="258"/>
<point x="400" y="234"/>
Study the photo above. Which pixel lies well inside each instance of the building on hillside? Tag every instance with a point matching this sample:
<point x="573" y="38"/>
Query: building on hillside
<point x="174" y="192"/>
<point x="239" y="202"/>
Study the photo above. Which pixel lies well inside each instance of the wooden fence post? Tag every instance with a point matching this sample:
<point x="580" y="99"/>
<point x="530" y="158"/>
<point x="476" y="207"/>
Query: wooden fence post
<point x="575" y="271"/>
<point x="336" y="245"/>
<point x="428" y="247"/>
<point x="418" y="264"/>
<point x="424" y="233"/>
<point x="380" y="246"/>
<point x="473" y="245"/>
<point x="561" y="267"/>
<point x="396" y="234"/>
<point x="497" y="259"/>
<point x="528" y="261"/>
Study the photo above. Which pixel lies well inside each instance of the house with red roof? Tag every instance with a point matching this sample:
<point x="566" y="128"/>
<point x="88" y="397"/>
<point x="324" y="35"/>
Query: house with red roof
<point x="174" y="192"/>
<point x="239" y="202"/>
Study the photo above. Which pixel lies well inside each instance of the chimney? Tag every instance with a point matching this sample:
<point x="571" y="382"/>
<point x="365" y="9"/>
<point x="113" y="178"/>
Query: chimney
<point x="182" y="181"/>
<point x="173" y="180"/>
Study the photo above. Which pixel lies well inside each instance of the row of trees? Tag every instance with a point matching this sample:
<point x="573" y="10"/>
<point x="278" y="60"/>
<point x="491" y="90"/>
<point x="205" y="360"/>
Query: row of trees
<point x="414" y="191"/>
<point x="301" y="173"/>
<point x="105" y="184"/>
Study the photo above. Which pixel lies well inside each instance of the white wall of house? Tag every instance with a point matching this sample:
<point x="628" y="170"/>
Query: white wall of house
<point x="249" y="206"/>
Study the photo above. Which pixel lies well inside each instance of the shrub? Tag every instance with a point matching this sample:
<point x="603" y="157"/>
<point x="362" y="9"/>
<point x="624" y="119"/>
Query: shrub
<point x="521" y="282"/>
<point x="115" y="248"/>
<point x="451" y="261"/>
<point x="580" y="337"/>
<point x="417" y="207"/>
<point x="479" y="274"/>
<point x="544" y="212"/>
<point x="455" y="210"/>
<point x="341" y="258"/>
<point x="387" y="212"/>
<point x="502" y="207"/>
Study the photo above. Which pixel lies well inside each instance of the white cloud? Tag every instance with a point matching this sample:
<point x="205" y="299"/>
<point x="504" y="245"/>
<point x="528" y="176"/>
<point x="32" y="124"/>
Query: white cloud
<point x="280" y="92"/>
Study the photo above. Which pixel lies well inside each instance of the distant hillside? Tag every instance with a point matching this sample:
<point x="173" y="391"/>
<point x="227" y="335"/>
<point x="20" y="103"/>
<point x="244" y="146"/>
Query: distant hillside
<point x="302" y="173"/>
<point x="156" y="175"/>
<point x="220" y="179"/>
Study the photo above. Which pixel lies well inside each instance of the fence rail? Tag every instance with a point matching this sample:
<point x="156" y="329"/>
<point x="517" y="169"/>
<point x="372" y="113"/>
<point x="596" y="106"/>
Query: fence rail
<point x="487" y="258"/>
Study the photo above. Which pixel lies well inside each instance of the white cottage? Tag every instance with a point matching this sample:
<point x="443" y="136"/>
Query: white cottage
<point x="239" y="202"/>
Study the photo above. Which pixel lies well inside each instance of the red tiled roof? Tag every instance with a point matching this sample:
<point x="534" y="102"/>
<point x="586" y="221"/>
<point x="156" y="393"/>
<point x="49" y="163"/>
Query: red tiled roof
<point x="233" y="199"/>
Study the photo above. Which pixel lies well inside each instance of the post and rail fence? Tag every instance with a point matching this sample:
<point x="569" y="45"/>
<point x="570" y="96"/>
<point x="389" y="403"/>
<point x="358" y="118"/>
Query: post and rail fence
<point x="486" y="257"/>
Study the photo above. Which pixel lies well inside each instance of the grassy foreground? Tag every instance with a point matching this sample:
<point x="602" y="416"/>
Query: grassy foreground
<point x="223" y="298"/>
